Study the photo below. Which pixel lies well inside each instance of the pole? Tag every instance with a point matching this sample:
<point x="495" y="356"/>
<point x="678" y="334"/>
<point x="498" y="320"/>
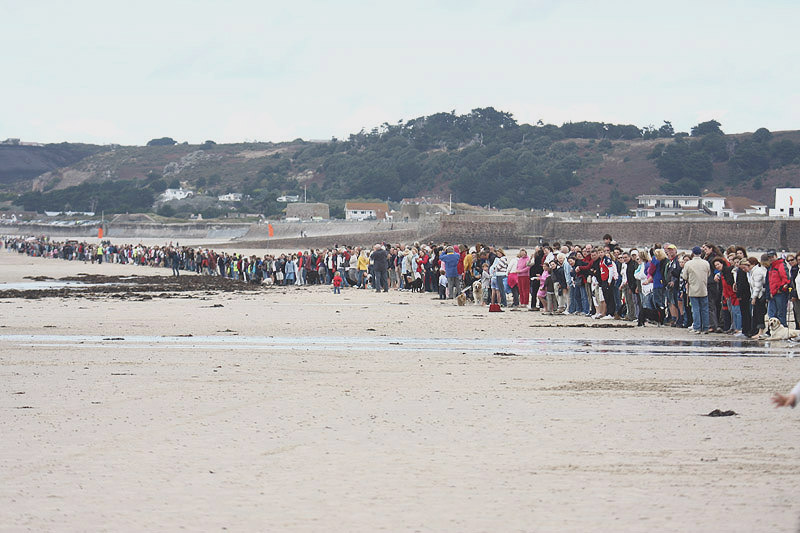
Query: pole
<point x="451" y="204"/>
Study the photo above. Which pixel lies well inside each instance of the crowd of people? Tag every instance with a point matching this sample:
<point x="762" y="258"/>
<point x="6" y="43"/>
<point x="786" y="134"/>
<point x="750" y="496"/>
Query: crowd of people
<point x="706" y="289"/>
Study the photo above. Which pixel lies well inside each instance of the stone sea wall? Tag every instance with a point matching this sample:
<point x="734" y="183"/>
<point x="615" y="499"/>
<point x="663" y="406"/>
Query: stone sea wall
<point x="526" y="231"/>
<point x="499" y="230"/>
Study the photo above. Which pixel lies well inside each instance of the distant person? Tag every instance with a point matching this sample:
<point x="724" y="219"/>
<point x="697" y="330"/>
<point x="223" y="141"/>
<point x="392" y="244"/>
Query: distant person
<point x="450" y="260"/>
<point x="337" y="283"/>
<point x="380" y="268"/>
<point x="779" y="283"/>
<point x="696" y="272"/>
<point x="176" y="262"/>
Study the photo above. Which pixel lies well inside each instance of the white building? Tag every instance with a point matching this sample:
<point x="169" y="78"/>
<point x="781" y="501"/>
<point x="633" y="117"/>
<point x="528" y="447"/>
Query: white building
<point x="175" y="194"/>
<point x="366" y="211"/>
<point x="230" y="197"/>
<point x="656" y="205"/>
<point x="713" y="204"/>
<point x="786" y="203"/>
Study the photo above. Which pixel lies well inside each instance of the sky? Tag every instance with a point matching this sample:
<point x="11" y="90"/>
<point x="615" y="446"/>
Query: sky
<point x="127" y="72"/>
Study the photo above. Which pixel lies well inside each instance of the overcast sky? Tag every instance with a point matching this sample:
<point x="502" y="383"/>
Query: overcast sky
<point x="114" y="72"/>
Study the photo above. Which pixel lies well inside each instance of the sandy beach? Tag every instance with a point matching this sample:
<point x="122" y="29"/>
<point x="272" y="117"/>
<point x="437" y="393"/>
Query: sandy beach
<point x="292" y="409"/>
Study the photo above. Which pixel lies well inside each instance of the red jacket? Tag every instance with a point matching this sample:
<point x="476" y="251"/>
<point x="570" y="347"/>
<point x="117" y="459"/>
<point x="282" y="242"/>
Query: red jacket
<point x="778" y="277"/>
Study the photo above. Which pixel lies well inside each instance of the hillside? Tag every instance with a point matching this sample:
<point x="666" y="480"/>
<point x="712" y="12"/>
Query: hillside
<point x="19" y="164"/>
<point x="484" y="157"/>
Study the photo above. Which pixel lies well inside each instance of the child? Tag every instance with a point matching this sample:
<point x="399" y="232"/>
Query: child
<point x="550" y="286"/>
<point x="337" y="283"/>
<point x="442" y="285"/>
<point x="541" y="294"/>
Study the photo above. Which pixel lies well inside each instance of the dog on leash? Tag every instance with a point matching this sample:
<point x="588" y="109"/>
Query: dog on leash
<point x="656" y="315"/>
<point x="461" y="299"/>
<point x="779" y="332"/>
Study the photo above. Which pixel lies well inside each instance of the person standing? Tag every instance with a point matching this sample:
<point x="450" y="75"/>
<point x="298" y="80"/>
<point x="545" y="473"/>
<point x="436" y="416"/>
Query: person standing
<point x="380" y="268"/>
<point x="363" y="267"/>
<point x="522" y="267"/>
<point x="499" y="271"/>
<point x="791" y="262"/>
<point x="450" y="260"/>
<point x="742" y="288"/>
<point x="337" y="283"/>
<point x="710" y="252"/>
<point x="628" y="286"/>
<point x="696" y="273"/>
<point x="673" y="283"/>
<point x="176" y="262"/>
<point x="778" y="282"/>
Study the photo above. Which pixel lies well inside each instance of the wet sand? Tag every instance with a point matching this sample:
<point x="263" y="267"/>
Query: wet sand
<point x="208" y="407"/>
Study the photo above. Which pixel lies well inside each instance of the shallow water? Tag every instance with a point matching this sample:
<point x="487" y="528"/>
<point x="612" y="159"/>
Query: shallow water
<point x="44" y="285"/>
<point x="499" y="347"/>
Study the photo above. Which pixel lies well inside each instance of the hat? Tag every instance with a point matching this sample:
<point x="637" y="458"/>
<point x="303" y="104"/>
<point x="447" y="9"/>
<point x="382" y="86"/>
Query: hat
<point x="696" y="250"/>
<point x="772" y="253"/>
<point x="672" y="246"/>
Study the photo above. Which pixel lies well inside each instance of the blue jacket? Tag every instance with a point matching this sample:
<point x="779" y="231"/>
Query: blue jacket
<point x="450" y="262"/>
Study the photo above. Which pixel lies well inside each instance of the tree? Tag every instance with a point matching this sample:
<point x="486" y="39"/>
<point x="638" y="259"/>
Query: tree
<point x="666" y="131"/>
<point x="656" y="152"/>
<point x="166" y="210"/>
<point x="762" y="135"/>
<point x="704" y="128"/>
<point x="157" y="185"/>
<point x="715" y="146"/>
<point x="785" y="151"/>
<point x="698" y="167"/>
<point x="750" y="159"/>
<point x="670" y="163"/>
<point x="163" y="141"/>
<point x="683" y="186"/>
<point x="617" y="205"/>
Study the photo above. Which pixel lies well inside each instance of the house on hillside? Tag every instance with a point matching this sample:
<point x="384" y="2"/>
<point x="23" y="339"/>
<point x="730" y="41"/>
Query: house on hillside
<point x="366" y="211"/>
<point x="736" y="206"/>
<point x="656" y="205"/>
<point x="230" y="197"/>
<point x="785" y="199"/>
<point x="175" y="194"/>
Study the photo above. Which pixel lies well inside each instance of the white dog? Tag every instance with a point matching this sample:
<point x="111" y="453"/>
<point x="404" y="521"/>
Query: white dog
<point x="477" y="292"/>
<point x="779" y="332"/>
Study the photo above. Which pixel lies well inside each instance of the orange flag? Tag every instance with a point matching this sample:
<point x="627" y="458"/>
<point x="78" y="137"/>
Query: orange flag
<point x="270" y="231"/>
<point x="100" y="233"/>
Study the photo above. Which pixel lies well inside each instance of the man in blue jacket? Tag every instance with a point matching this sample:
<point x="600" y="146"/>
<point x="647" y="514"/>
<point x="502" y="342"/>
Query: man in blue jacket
<point x="450" y="261"/>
